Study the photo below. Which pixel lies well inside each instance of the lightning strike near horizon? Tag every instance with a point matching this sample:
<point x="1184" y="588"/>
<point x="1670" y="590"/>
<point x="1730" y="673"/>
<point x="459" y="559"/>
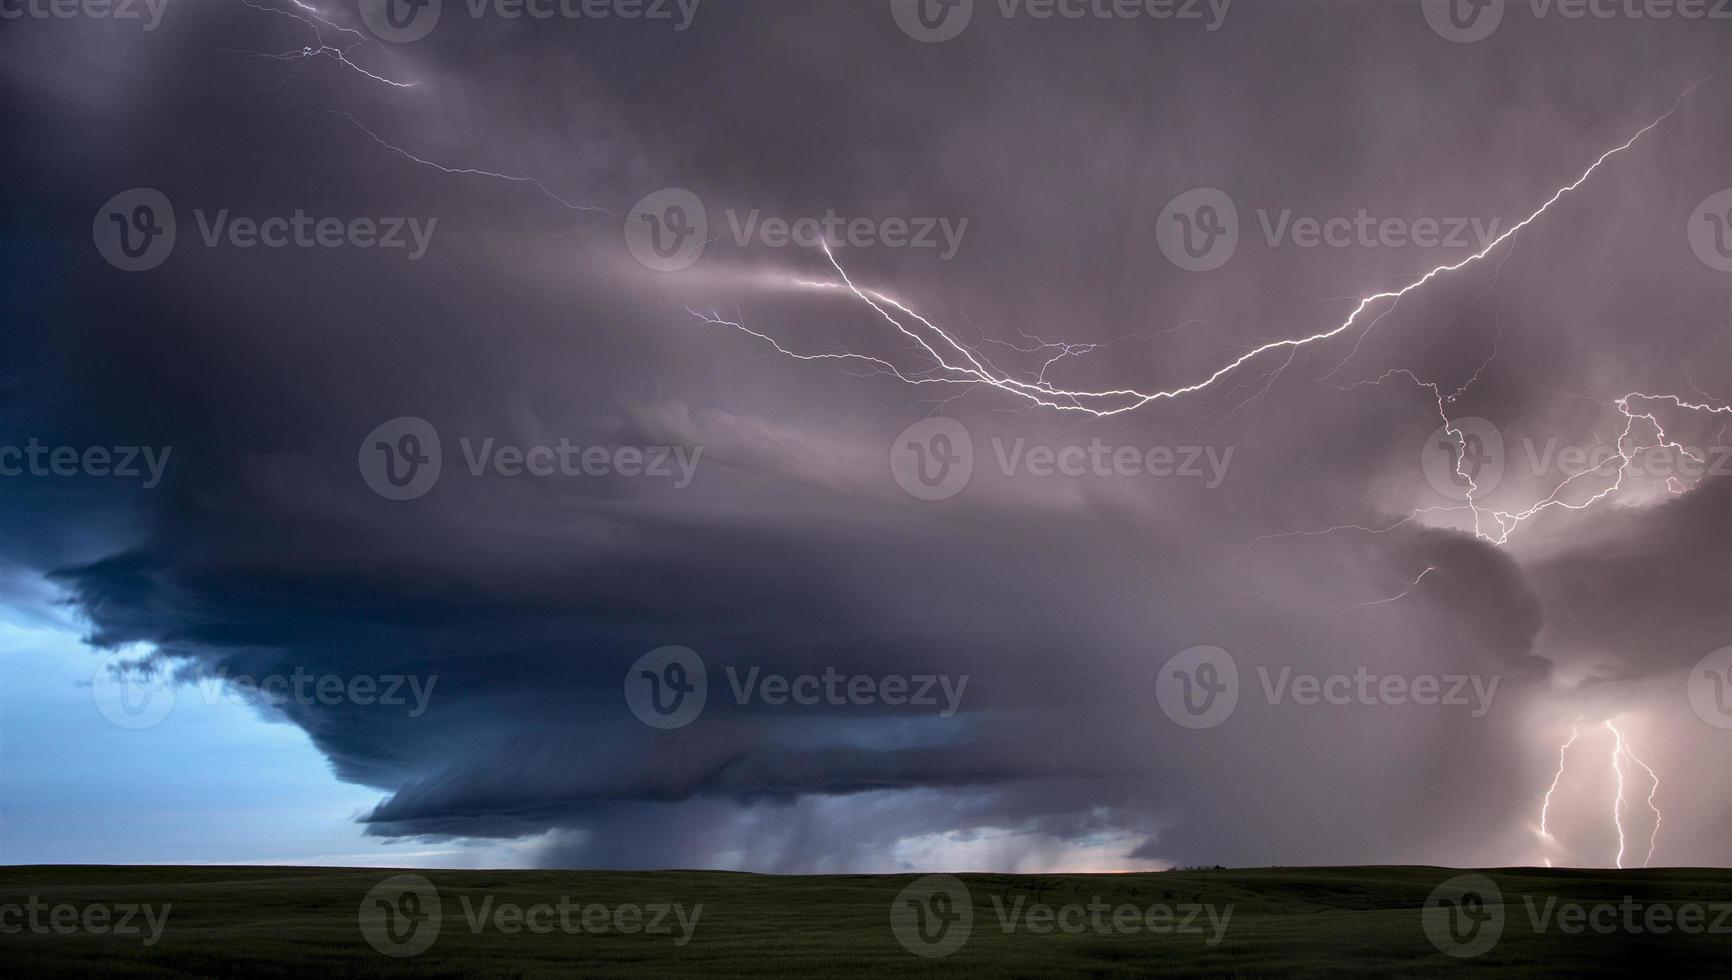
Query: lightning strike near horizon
<point x="1622" y="749"/>
<point x="1620" y="755"/>
<point x="1545" y="807"/>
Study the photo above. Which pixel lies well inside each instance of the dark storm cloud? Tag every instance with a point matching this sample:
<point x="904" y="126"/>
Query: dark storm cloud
<point x="793" y="550"/>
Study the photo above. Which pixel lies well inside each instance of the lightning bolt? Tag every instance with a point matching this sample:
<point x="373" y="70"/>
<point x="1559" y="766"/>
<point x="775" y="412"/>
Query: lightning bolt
<point x="319" y="48"/>
<point x="955" y="362"/>
<point x="1619" y="759"/>
<point x="1396" y="598"/>
<point x="1621" y="750"/>
<point x="1628" y="448"/>
<point x="1653" y="790"/>
<point x="1618" y="804"/>
<point x="473" y="172"/>
<point x="1545" y="807"/>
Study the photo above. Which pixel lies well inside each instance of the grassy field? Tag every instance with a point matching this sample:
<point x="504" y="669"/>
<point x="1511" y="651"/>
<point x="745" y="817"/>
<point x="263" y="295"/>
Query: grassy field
<point x="233" y="921"/>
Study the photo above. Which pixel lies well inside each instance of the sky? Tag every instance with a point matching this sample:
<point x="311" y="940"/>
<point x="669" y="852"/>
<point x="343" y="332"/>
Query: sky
<point x="863" y="437"/>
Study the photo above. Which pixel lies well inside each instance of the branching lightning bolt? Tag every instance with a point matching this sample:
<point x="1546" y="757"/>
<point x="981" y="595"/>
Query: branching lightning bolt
<point x="1619" y="759"/>
<point x="955" y="362"/>
<point x="319" y="48"/>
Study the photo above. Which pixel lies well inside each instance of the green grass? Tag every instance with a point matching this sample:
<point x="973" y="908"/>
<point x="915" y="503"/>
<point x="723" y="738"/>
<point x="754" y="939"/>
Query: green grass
<point x="1321" y="922"/>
